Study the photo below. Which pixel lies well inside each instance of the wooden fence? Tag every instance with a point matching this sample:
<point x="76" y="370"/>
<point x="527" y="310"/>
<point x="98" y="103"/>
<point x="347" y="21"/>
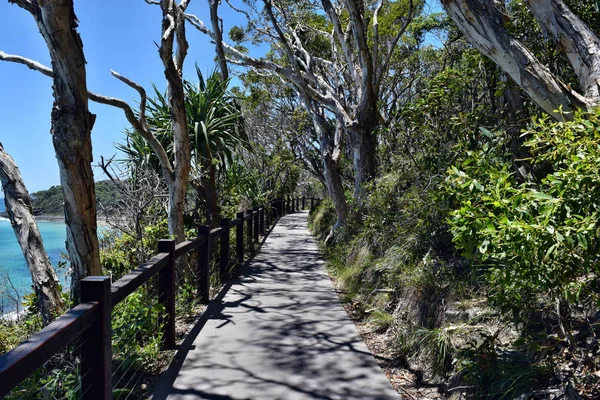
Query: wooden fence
<point x="90" y="321"/>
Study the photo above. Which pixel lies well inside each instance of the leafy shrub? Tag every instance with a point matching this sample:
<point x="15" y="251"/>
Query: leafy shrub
<point x="122" y="252"/>
<point x="539" y="238"/>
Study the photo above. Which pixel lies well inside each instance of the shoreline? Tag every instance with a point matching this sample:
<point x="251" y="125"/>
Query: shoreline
<point x="49" y="218"/>
<point x="13" y="316"/>
<point x="101" y="220"/>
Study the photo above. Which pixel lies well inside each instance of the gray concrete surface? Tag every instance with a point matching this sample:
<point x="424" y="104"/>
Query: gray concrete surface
<point x="279" y="333"/>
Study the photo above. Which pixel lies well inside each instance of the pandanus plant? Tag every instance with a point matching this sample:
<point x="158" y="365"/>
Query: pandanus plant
<point x="218" y="133"/>
<point x="216" y="129"/>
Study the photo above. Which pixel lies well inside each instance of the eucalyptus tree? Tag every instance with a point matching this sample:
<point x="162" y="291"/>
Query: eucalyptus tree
<point x="71" y="125"/>
<point x="333" y="54"/>
<point x="486" y="24"/>
<point x="306" y="128"/>
<point x="20" y="213"/>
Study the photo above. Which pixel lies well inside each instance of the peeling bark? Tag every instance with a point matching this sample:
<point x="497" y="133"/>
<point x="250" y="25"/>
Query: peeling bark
<point x="363" y="145"/>
<point x="579" y="43"/>
<point x="20" y="213"/>
<point x="71" y="133"/>
<point x="482" y="22"/>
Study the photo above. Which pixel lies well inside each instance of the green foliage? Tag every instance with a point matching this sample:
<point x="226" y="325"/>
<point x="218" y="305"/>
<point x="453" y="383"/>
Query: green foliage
<point x="322" y="218"/>
<point x="237" y="34"/>
<point x="397" y="242"/>
<point x="502" y="377"/>
<point x="214" y="119"/>
<point x="538" y="237"/>
<point x="215" y="125"/>
<point x="437" y="345"/>
<point x="241" y="185"/>
<point x="122" y="253"/>
<point x="51" y="201"/>
<point x="136" y="328"/>
<point x="59" y="379"/>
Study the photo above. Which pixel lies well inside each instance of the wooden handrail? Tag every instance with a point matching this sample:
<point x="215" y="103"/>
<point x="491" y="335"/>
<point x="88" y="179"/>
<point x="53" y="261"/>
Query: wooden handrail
<point x="186" y="247"/>
<point x="22" y="361"/>
<point x="136" y="278"/>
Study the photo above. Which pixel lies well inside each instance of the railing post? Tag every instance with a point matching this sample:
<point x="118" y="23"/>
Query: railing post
<point x="303" y="202"/>
<point x="312" y="203"/>
<point x="224" y="248"/>
<point x="297" y="201"/>
<point x="239" y="238"/>
<point x="261" y="218"/>
<point x="288" y="206"/>
<point x="250" y="231"/>
<point x="96" y="349"/>
<point x="203" y="264"/>
<point x="256" y="223"/>
<point x="268" y="212"/>
<point x="166" y="293"/>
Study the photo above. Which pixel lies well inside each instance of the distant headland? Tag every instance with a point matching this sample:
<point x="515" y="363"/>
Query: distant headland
<point x="48" y="204"/>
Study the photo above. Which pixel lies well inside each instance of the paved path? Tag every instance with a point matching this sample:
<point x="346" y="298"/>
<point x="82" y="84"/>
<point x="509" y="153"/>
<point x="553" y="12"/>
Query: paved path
<point x="280" y="333"/>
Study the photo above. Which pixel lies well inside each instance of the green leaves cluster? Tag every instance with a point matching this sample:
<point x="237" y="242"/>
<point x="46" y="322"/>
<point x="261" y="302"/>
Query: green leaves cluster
<point x="541" y="237"/>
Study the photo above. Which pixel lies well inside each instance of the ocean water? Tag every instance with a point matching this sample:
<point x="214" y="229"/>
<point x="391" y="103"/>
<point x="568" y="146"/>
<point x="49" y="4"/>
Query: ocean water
<point x="12" y="261"/>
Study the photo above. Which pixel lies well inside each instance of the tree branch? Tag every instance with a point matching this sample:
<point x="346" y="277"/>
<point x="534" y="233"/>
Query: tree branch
<point x="34" y="65"/>
<point x="385" y="64"/>
<point x="29" y="5"/>
<point x="139" y="125"/>
<point x="337" y="26"/>
<point x="376" y="33"/>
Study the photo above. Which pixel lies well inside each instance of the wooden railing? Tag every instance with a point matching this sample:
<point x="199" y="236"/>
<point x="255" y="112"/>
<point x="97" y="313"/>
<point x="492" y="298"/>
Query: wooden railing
<point x="90" y="321"/>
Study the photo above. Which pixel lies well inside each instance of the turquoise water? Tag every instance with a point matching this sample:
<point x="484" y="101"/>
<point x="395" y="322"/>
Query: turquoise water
<point x="12" y="261"/>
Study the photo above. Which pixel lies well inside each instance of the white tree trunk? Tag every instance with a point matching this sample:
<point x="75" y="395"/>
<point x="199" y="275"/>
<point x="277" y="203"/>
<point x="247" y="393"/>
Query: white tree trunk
<point x="173" y="29"/>
<point x="71" y="132"/>
<point x="579" y="43"/>
<point x="482" y="23"/>
<point x="20" y="213"/>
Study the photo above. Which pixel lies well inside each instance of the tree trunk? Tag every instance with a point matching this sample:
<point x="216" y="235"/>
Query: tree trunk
<point x="330" y="153"/>
<point x="579" y="43"/>
<point x="335" y="189"/>
<point x="362" y="145"/>
<point x="209" y="182"/>
<point x="513" y="111"/>
<point x="214" y="19"/>
<point x="18" y="207"/>
<point x="173" y="27"/>
<point x="71" y="135"/>
<point x="482" y="23"/>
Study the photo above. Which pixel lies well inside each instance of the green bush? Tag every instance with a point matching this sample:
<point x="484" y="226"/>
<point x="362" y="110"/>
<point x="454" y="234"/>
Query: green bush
<point x="538" y="239"/>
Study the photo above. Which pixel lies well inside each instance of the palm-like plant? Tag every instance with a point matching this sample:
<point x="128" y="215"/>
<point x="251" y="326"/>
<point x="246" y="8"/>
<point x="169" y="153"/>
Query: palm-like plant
<point x="217" y="127"/>
<point x="216" y="131"/>
<point x="215" y="120"/>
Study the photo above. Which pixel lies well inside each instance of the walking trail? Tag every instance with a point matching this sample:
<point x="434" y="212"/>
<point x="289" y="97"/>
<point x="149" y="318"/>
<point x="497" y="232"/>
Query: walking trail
<point x="278" y="333"/>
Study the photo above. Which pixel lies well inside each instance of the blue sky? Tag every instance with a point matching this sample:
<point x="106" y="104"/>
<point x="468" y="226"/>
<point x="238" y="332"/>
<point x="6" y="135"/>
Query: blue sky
<point x="116" y="34"/>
